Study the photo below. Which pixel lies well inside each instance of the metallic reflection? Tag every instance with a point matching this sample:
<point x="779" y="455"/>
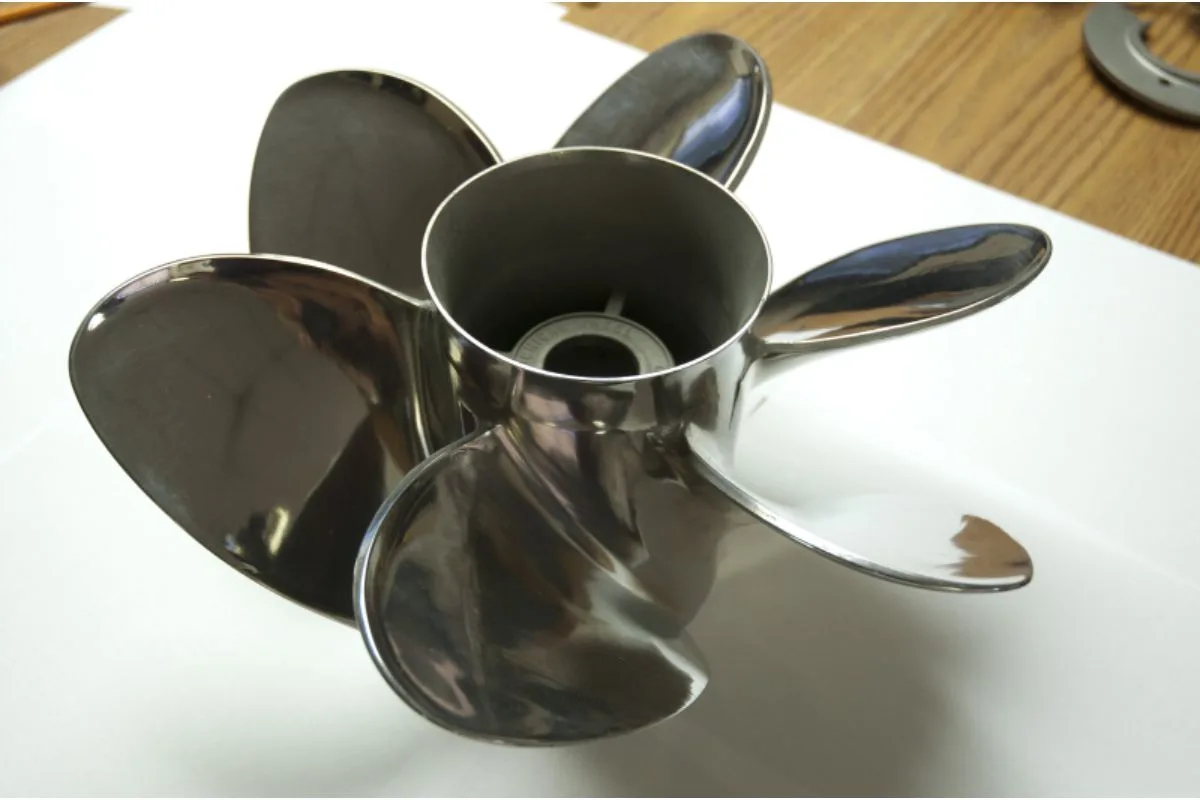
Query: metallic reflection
<point x="987" y="551"/>
<point x="351" y="165"/>
<point x="901" y="285"/>
<point x="884" y="290"/>
<point x="903" y="539"/>
<point x="578" y="534"/>
<point x="703" y="100"/>
<point x="531" y="583"/>
<point x="525" y="606"/>
<point x="268" y="406"/>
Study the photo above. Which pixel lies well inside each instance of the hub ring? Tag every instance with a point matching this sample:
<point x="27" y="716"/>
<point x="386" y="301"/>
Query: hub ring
<point x="647" y="349"/>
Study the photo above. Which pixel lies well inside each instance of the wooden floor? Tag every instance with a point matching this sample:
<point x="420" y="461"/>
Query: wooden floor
<point x="999" y="92"/>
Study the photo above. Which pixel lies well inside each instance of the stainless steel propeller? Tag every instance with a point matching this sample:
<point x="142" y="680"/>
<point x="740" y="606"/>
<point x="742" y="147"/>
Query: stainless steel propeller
<point x="585" y="512"/>
<point x="531" y="566"/>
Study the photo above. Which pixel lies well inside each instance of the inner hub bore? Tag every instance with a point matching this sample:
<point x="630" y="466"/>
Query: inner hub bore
<point x="593" y="345"/>
<point x="593" y="356"/>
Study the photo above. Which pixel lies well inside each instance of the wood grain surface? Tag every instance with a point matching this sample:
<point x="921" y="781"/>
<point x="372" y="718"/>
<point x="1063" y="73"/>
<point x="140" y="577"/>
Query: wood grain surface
<point x="1001" y="93"/>
<point x="31" y="40"/>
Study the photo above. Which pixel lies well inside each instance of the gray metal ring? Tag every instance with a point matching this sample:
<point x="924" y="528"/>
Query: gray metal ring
<point x="647" y="349"/>
<point x="1113" y="37"/>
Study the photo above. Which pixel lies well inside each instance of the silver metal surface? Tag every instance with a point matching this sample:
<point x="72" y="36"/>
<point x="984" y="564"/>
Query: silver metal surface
<point x="1114" y="38"/>
<point x="580" y="516"/>
<point x="281" y="482"/>
<point x="544" y="480"/>
<point x="530" y="585"/>
<point x="602" y="344"/>
<point x="897" y="537"/>
<point x="351" y="164"/>
<point x="269" y="406"/>
<point x="703" y="100"/>
<point x="508" y="598"/>
<point x="899" y="286"/>
<point x="881" y="291"/>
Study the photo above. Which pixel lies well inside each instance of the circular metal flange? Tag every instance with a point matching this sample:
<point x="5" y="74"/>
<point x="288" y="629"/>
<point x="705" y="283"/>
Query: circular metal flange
<point x="595" y="344"/>
<point x="1114" y="38"/>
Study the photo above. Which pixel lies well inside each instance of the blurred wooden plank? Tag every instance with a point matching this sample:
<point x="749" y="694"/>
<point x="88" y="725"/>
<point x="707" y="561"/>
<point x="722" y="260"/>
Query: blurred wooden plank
<point x="11" y="12"/>
<point x="30" y="40"/>
<point x="1001" y="93"/>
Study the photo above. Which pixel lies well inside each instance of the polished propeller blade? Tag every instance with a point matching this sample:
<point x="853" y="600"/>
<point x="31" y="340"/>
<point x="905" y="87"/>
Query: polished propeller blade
<point x="901" y="285"/>
<point x="350" y="167"/>
<point x="703" y="100"/>
<point x="926" y="540"/>
<point x="896" y="536"/>
<point x="268" y="406"/>
<point x="885" y="290"/>
<point x="495" y="617"/>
